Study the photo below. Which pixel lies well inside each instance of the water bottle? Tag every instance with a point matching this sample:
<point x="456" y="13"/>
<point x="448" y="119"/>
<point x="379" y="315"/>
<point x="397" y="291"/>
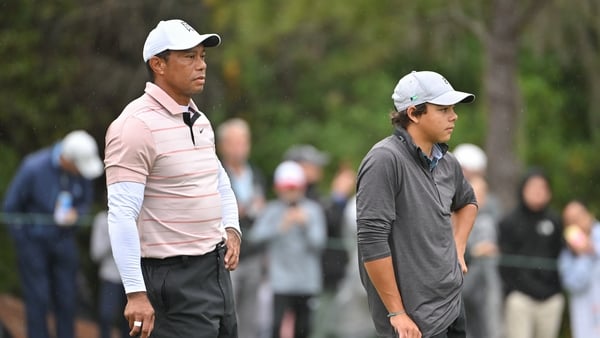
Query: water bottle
<point x="64" y="203"/>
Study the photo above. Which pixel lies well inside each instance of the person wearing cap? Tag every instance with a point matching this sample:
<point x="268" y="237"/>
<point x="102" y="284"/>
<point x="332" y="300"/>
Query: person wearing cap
<point x="415" y="211"/>
<point x="472" y="159"/>
<point x="482" y="289"/>
<point x="293" y="227"/>
<point x="334" y="258"/>
<point x="473" y="162"/>
<point x="312" y="162"/>
<point x="173" y="217"/>
<point x="50" y="193"/>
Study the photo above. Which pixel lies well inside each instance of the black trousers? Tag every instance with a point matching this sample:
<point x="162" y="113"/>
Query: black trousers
<point x="458" y="328"/>
<point x="298" y="305"/>
<point x="192" y="296"/>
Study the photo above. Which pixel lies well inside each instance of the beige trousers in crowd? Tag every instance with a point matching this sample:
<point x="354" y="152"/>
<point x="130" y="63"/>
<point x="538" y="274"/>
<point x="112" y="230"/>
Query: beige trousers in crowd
<point x="526" y="317"/>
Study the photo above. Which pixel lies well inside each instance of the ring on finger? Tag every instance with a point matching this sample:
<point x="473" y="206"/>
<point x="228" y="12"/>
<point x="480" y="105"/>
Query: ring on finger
<point x="137" y="323"/>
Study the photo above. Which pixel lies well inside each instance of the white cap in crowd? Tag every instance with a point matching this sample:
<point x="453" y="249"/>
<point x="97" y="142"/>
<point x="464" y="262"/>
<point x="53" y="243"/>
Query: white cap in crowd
<point x="470" y="157"/>
<point x="426" y="87"/>
<point x="289" y="174"/>
<point x="176" y="35"/>
<point x="80" y="148"/>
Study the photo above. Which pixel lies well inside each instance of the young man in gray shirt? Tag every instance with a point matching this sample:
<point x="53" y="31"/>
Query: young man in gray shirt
<point x="414" y="213"/>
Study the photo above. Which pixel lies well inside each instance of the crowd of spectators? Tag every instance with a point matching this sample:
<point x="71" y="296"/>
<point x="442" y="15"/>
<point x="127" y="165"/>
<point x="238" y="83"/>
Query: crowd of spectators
<point x="298" y="267"/>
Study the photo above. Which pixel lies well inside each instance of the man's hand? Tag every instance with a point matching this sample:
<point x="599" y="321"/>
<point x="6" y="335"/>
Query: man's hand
<point x="405" y="327"/>
<point x="140" y="314"/>
<point x="232" y="256"/>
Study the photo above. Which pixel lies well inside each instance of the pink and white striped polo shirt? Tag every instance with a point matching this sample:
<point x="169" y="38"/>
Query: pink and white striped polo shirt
<point x="150" y="144"/>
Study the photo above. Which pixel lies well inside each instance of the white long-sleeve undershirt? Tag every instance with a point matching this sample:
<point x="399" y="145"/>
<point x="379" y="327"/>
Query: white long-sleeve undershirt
<point x="124" y="203"/>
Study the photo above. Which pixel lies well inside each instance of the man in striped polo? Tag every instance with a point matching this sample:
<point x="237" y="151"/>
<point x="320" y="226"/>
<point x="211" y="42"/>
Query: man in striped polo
<point x="173" y="217"/>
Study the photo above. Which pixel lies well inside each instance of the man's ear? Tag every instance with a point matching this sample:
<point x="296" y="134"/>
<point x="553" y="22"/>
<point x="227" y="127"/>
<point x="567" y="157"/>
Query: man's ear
<point x="410" y="113"/>
<point x="157" y="65"/>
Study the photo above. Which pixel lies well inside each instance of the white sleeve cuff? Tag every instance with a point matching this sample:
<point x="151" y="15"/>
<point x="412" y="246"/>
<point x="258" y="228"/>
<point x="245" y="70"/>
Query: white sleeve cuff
<point x="124" y="204"/>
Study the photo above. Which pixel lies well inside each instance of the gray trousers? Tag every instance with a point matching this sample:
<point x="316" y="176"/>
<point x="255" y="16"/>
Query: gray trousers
<point x="192" y="296"/>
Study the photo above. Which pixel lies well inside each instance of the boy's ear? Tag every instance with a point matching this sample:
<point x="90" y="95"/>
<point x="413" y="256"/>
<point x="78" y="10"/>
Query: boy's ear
<point x="410" y="111"/>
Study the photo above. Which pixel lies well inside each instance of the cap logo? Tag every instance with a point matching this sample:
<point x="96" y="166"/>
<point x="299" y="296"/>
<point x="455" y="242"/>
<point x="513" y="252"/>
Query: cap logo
<point x="187" y="26"/>
<point x="445" y="81"/>
<point x="414" y="97"/>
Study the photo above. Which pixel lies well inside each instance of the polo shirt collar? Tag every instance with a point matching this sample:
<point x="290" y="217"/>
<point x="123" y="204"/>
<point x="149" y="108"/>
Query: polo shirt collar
<point x="438" y="151"/>
<point x="165" y="100"/>
<point x="436" y="154"/>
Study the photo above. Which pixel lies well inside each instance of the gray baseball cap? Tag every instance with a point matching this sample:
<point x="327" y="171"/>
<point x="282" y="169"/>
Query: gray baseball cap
<point x="306" y="153"/>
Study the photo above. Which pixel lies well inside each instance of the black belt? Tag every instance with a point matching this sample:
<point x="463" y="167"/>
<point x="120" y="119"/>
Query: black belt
<point x="182" y="259"/>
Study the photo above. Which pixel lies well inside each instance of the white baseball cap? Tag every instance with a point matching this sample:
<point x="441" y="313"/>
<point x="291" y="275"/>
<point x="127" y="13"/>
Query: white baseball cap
<point x="426" y="87"/>
<point x="80" y="148"/>
<point x="470" y="157"/>
<point x="176" y="35"/>
<point x="289" y="174"/>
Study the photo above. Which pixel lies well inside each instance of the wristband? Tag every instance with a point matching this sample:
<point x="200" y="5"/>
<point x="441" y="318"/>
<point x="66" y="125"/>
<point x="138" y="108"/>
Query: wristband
<point x="392" y="314"/>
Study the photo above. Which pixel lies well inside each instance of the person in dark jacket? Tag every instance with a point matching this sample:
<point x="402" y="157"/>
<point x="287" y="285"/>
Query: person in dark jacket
<point x="45" y="203"/>
<point x="530" y="240"/>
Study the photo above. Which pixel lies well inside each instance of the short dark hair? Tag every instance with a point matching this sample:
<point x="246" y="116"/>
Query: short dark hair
<point x="401" y="119"/>
<point x="163" y="55"/>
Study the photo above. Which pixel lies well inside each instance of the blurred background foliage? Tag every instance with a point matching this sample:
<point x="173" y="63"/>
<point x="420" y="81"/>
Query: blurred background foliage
<point x="321" y="72"/>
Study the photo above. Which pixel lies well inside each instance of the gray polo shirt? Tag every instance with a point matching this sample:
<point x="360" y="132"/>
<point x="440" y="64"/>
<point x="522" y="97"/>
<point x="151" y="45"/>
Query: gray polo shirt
<point x="403" y="210"/>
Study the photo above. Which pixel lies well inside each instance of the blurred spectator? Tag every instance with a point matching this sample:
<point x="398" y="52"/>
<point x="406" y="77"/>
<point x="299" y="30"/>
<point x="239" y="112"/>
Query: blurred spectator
<point x="472" y="159"/>
<point x="49" y="194"/>
<point x="530" y="241"/>
<point x="482" y="289"/>
<point x="335" y="256"/>
<point x="579" y="268"/>
<point x="248" y="184"/>
<point x="111" y="297"/>
<point x="295" y="232"/>
<point x="473" y="162"/>
<point x="353" y="319"/>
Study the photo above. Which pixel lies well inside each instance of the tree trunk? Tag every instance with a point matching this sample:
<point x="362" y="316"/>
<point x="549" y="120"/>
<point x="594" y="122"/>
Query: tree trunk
<point x="501" y="91"/>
